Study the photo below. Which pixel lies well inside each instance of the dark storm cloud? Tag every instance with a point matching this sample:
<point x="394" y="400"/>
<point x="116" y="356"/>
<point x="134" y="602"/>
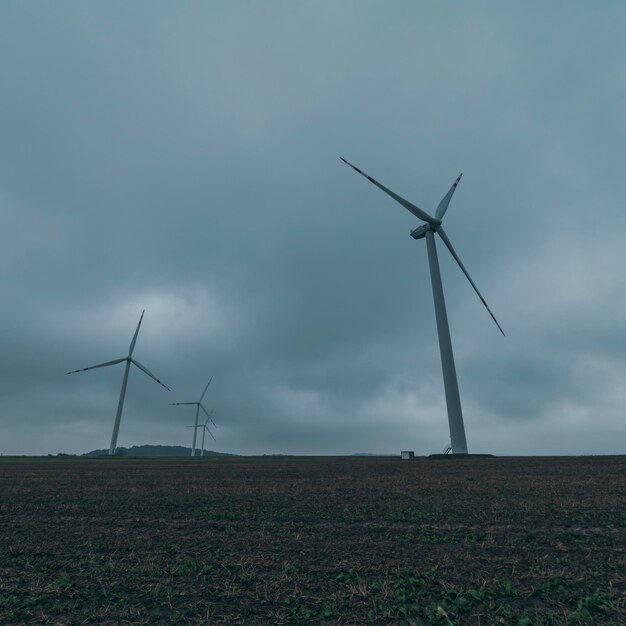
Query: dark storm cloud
<point x="183" y="158"/>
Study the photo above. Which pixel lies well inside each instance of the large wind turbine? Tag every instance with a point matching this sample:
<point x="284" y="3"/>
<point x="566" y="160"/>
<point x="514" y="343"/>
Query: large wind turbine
<point x="129" y="359"/>
<point x="199" y="406"/>
<point x="427" y="231"/>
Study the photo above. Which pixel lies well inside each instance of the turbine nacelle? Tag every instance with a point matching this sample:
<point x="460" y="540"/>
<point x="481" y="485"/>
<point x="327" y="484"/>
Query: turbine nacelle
<point x="420" y="232"/>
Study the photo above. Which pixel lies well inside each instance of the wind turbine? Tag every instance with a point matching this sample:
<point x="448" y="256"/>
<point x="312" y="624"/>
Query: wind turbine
<point x="199" y="406"/>
<point x="120" y="405"/>
<point x="206" y="429"/>
<point x="427" y="231"/>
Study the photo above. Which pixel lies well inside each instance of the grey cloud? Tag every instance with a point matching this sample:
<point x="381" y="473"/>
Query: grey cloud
<point x="183" y="158"/>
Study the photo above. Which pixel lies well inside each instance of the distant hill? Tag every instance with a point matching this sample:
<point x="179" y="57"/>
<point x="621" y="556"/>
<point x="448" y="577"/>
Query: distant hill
<point x="148" y="450"/>
<point x="369" y="454"/>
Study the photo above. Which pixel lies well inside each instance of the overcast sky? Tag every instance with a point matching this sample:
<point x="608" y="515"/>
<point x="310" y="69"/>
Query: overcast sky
<point x="182" y="157"/>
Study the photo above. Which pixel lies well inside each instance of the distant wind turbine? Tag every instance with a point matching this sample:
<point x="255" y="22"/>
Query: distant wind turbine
<point x="428" y="230"/>
<point x="198" y="406"/>
<point x="129" y="360"/>
<point x="206" y="429"/>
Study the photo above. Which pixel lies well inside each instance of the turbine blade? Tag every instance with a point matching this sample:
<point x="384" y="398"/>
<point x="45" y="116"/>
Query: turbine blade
<point x="143" y="369"/>
<point x="93" y="367"/>
<point x="443" y="205"/>
<point x="208" y="416"/>
<point x="210" y="433"/>
<point x="177" y="403"/>
<point x="207" y="386"/>
<point x="134" y="341"/>
<point x="443" y="236"/>
<point x="405" y="203"/>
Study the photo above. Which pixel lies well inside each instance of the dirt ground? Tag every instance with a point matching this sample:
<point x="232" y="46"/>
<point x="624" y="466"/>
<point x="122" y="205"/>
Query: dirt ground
<point x="513" y="541"/>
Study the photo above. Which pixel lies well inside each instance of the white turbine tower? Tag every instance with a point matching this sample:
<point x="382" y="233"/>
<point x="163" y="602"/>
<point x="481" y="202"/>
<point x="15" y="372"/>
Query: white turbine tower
<point x="129" y="359"/>
<point x="198" y="406"/>
<point x="428" y="230"/>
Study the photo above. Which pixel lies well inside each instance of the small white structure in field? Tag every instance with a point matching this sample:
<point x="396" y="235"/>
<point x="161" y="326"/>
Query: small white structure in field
<point x="407" y="455"/>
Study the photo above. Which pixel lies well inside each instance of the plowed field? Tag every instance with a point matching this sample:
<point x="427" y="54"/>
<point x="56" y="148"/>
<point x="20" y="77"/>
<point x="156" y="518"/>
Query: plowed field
<point x="513" y="541"/>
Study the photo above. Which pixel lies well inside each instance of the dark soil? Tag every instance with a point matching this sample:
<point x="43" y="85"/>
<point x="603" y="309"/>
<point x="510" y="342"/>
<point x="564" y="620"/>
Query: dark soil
<point x="513" y="541"/>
